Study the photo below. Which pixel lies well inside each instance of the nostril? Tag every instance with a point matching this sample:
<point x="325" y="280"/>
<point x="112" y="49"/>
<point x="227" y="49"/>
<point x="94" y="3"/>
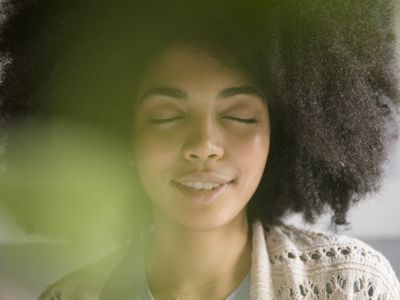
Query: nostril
<point x="202" y="151"/>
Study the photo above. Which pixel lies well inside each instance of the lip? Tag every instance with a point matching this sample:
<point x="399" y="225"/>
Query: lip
<point x="201" y="196"/>
<point x="204" y="177"/>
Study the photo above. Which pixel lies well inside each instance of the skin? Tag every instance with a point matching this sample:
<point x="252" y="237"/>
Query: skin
<point x="207" y="129"/>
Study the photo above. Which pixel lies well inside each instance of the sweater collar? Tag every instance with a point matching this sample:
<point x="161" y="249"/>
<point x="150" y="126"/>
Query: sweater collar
<point x="260" y="277"/>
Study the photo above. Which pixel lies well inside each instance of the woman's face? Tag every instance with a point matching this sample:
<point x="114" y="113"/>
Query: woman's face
<point x="201" y="138"/>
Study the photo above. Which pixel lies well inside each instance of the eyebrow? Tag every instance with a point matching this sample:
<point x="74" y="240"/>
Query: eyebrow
<point x="239" y="90"/>
<point x="175" y="93"/>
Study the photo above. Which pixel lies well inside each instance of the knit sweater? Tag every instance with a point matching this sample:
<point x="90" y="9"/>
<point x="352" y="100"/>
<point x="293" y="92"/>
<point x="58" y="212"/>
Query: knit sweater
<point x="287" y="263"/>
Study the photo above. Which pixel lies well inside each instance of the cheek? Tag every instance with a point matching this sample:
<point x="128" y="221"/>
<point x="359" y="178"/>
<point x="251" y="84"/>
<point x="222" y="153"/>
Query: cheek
<point x="250" y="156"/>
<point x="154" y="154"/>
<point x="251" y="150"/>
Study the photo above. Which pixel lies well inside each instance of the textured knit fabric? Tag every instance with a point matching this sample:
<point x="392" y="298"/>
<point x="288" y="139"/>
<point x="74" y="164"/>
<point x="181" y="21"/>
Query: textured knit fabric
<point x="287" y="263"/>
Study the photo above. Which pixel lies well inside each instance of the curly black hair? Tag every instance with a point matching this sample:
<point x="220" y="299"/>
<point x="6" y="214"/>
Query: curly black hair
<point x="327" y="68"/>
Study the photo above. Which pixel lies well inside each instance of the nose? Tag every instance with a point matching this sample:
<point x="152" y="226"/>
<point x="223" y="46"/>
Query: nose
<point x="203" y="142"/>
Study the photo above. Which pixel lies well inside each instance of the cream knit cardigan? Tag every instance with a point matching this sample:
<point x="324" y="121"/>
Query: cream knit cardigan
<point x="287" y="263"/>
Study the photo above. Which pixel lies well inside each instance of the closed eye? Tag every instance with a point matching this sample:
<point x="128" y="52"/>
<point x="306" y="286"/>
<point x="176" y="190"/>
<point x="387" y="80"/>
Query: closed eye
<point x="241" y="120"/>
<point x="231" y="118"/>
<point x="165" y="121"/>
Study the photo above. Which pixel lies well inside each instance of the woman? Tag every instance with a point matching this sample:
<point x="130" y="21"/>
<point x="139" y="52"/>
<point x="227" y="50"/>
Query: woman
<point x="238" y="113"/>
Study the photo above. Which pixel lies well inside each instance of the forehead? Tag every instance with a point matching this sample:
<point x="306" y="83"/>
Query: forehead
<point x="190" y="66"/>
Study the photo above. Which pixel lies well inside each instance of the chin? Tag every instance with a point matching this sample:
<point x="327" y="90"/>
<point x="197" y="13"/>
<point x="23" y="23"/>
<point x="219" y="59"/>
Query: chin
<point x="206" y="223"/>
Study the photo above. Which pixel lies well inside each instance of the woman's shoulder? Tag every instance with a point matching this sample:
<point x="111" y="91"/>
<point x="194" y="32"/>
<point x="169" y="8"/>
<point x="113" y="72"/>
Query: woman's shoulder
<point x="85" y="283"/>
<point x="329" y="264"/>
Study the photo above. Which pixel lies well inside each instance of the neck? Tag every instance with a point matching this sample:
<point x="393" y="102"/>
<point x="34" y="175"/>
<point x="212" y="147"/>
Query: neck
<point x="186" y="260"/>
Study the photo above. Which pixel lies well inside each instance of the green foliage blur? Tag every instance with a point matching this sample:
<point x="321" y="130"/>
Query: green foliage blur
<point x="71" y="180"/>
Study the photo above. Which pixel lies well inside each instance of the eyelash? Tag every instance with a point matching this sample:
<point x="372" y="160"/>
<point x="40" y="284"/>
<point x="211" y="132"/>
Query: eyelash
<point x="164" y="121"/>
<point x="170" y="120"/>
<point x="246" y="121"/>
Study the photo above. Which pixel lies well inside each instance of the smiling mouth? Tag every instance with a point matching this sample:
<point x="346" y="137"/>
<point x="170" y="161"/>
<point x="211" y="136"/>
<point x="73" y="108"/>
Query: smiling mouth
<point x="201" y="185"/>
<point x="201" y="192"/>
